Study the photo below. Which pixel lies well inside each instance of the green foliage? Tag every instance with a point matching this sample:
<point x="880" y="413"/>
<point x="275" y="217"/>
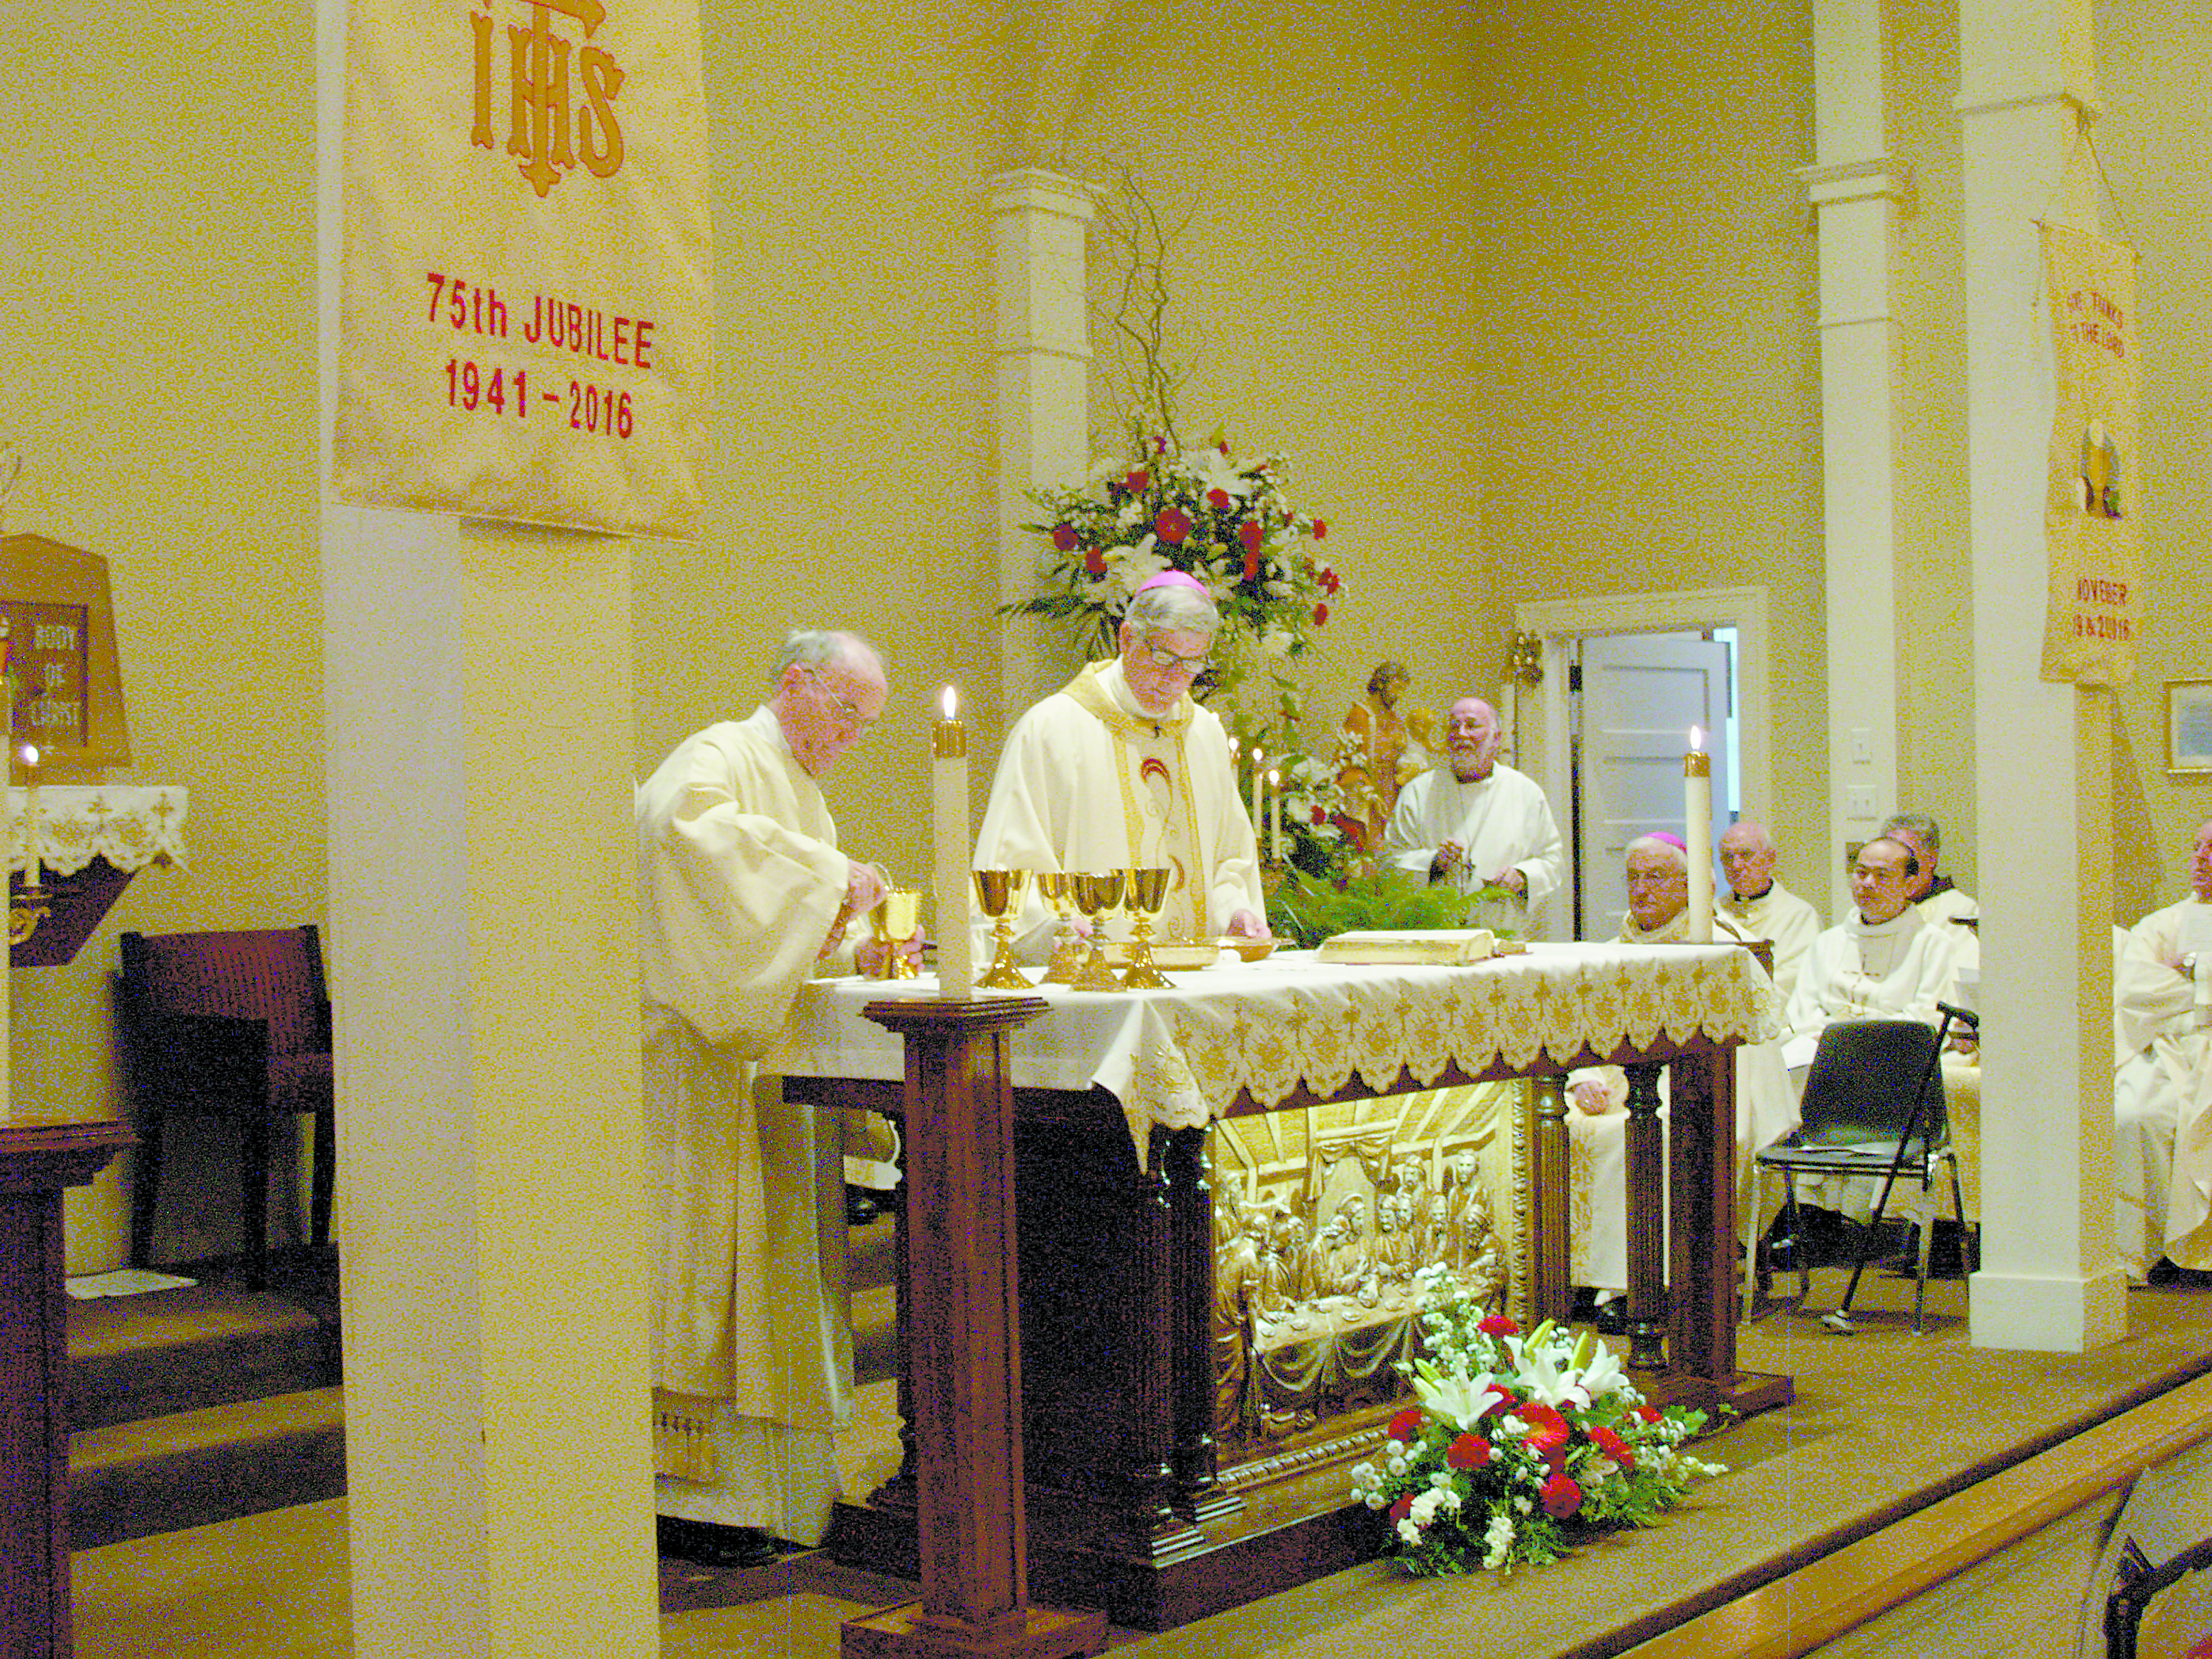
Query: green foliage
<point x="1310" y="909"/>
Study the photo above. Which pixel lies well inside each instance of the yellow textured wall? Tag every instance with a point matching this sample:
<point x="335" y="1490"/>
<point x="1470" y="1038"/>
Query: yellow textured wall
<point x="2152" y="144"/>
<point x="1652" y="416"/>
<point x="157" y="349"/>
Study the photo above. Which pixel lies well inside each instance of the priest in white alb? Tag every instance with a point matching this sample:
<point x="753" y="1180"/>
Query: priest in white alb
<point x="1885" y="960"/>
<point x="1761" y="907"/>
<point x="1473" y="822"/>
<point x="1658" y="878"/>
<point x="2162" y="1084"/>
<point x="743" y="895"/>
<point x="1121" y="770"/>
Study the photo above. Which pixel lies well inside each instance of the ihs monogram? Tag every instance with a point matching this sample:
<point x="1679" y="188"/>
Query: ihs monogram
<point x="540" y="117"/>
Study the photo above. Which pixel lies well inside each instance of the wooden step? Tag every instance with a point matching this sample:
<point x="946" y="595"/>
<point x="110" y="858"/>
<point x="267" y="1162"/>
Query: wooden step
<point x="182" y="1350"/>
<point x="189" y="1468"/>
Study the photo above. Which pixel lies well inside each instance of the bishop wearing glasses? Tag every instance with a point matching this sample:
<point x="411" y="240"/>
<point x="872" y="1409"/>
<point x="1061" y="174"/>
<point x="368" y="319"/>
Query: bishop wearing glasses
<point x="1121" y="769"/>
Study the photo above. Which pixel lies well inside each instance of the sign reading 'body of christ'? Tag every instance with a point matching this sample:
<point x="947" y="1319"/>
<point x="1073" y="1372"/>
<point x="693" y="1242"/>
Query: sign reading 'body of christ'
<point x="527" y="291"/>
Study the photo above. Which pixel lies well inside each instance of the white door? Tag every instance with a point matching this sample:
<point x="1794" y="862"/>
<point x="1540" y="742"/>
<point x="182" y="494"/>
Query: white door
<point x="1641" y="694"/>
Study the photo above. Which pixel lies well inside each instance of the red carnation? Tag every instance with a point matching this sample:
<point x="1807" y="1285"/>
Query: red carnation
<point x="1562" y="1497"/>
<point x="1613" y="1447"/>
<point x="1321" y="614"/>
<point x="1548" y="1432"/>
<point x="1218" y="499"/>
<point x="1094" y="560"/>
<point x="1251" y="564"/>
<point x="1319" y="815"/>
<point x="1138" y="478"/>
<point x="1250" y="534"/>
<point x="1402" y="1508"/>
<point x="1407" y="1424"/>
<point x="1064" y="537"/>
<point x="1648" y="1413"/>
<point x="1469" y="1451"/>
<point x="1321" y="528"/>
<point x="1498" y="1325"/>
<point x="1171" y="524"/>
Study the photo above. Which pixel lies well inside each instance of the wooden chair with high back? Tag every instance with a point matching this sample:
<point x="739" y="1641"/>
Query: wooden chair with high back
<point x="236" y="1025"/>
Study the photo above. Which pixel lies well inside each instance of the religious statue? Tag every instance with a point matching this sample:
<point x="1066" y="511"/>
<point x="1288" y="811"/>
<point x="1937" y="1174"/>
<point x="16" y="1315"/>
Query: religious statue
<point x="1384" y="750"/>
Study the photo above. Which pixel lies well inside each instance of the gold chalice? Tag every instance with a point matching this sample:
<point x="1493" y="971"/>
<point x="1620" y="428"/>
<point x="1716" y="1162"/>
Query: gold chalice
<point x="1056" y="887"/>
<point x="1143" y="891"/>
<point x="1095" y="894"/>
<point x="1000" y="893"/>
<point x="896" y="918"/>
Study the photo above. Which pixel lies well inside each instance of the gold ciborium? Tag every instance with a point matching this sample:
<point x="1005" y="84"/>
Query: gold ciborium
<point x="1096" y="894"/>
<point x="1143" y="891"/>
<point x="1000" y="893"/>
<point x="896" y="918"/>
<point x="1056" y="888"/>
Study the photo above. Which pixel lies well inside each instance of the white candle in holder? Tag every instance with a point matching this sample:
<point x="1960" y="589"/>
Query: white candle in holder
<point x="956" y="972"/>
<point x="33" y="870"/>
<point x="1697" y="832"/>
<point x="1275" y="817"/>
<point x="1259" y="776"/>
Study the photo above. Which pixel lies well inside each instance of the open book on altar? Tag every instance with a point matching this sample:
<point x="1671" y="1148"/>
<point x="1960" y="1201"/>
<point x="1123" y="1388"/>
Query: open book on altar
<point x="1439" y="946"/>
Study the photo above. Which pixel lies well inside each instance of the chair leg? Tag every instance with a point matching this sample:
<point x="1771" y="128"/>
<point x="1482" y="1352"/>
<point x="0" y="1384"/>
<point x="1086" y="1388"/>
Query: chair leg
<point x="1927" y="1247"/>
<point x="145" y="1187"/>
<point x="325" y="1180"/>
<point x="253" y="1190"/>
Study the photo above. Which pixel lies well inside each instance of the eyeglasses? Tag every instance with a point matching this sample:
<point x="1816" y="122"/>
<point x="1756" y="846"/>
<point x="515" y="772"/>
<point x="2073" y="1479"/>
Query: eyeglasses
<point x="1170" y="659"/>
<point x="846" y="711"/>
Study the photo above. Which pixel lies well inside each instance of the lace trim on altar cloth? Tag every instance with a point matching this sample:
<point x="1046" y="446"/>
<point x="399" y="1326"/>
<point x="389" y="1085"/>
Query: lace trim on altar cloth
<point x="129" y="825"/>
<point x="684" y="1437"/>
<point x="1321" y="1037"/>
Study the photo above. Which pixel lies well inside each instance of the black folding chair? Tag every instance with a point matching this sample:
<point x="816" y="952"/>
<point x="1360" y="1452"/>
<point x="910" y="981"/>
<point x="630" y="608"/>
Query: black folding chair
<point x="1873" y="1106"/>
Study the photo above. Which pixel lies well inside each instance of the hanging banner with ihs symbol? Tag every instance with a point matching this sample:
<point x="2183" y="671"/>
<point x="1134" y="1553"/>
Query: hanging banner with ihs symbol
<point x="527" y="298"/>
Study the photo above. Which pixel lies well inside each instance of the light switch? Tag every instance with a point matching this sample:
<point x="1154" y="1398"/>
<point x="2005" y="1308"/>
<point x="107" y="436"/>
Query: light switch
<point x="1861" y="746"/>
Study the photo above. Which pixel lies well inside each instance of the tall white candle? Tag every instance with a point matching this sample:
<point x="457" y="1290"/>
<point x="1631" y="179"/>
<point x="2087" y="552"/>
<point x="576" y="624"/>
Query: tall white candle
<point x="1697" y="832"/>
<point x="1275" y="816"/>
<point x="956" y="971"/>
<point x="32" y="869"/>
<point x="1258" y="775"/>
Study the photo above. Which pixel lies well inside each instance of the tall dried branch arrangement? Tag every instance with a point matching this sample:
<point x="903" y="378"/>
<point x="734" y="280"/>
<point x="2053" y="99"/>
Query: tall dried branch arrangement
<point x="1137" y="378"/>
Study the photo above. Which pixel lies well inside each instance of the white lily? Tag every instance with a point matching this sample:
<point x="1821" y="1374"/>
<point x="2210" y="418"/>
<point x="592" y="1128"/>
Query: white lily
<point x="1544" y="1374"/>
<point x="1459" y="1398"/>
<point x="1603" y="1375"/>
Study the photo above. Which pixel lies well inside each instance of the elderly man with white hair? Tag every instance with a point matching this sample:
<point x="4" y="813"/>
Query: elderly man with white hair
<point x="1761" y="906"/>
<point x="1937" y="898"/>
<point x="1473" y="820"/>
<point x="1765" y="1104"/>
<point x="1121" y="770"/>
<point x="743" y="895"/>
<point x="2162" y="1084"/>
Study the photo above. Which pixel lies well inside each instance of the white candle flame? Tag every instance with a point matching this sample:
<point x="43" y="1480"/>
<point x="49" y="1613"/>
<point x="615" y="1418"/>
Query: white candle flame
<point x="951" y="703"/>
<point x="1697" y="739"/>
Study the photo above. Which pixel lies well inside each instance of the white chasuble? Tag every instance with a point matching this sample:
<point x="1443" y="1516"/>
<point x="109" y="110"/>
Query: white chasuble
<point x="1089" y="781"/>
<point x="739" y="881"/>
<point x="2162" y="1094"/>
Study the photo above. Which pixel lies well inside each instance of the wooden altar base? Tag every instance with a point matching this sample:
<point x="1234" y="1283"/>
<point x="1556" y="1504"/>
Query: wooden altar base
<point x="1289" y="1533"/>
<point x="901" y="1632"/>
<point x="1743" y="1393"/>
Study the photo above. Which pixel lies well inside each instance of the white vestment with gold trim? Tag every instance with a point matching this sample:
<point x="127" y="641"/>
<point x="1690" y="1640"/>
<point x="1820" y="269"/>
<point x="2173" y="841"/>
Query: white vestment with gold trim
<point x="739" y="881"/>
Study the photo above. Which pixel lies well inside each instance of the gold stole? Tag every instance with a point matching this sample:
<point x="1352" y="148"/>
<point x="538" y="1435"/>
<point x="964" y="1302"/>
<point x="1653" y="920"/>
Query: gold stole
<point x="1128" y="730"/>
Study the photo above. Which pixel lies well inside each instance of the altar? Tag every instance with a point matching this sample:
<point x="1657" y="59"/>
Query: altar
<point x="1179" y="1155"/>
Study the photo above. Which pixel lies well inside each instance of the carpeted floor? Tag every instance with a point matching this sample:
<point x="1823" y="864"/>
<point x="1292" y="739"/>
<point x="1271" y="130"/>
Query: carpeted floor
<point x="1884" y="1422"/>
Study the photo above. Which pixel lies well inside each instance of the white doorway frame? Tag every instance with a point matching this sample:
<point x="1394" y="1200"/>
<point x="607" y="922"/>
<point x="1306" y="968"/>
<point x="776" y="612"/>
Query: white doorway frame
<point x="1541" y="714"/>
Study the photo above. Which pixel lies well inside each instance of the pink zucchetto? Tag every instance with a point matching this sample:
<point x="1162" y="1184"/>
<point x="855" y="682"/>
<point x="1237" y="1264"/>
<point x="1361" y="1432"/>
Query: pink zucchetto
<point x="1173" y="579"/>
<point x="1670" y="838"/>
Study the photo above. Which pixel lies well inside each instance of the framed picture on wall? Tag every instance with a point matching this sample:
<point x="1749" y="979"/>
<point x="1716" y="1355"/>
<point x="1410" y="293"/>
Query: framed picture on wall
<point x="2189" y="726"/>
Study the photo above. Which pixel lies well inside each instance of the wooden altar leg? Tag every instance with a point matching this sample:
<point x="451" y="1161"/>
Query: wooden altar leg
<point x="965" y="1351"/>
<point x="1552" y="1298"/>
<point x="1701" y="1213"/>
<point x="1199" y="1491"/>
<point x="1647" y="1209"/>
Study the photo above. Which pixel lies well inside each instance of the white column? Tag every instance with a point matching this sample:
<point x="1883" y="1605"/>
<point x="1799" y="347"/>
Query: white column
<point x="1042" y="348"/>
<point x="2042" y="752"/>
<point x="484" y="981"/>
<point x="1853" y="189"/>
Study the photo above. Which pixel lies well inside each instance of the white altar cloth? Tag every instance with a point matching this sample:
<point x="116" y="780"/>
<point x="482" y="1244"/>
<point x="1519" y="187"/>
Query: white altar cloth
<point x="131" y="825"/>
<point x="1179" y="1058"/>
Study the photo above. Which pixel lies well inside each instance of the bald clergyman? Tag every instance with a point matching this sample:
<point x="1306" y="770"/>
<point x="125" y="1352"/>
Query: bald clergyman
<point x="1473" y="820"/>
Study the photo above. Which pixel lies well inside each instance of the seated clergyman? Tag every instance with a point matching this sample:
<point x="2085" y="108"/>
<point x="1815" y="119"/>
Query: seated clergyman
<point x="1938" y="899"/>
<point x="1766" y="1108"/>
<point x="1121" y="770"/>
<point x="1883" y="961"/>
<point x="1761" y="906"/>
<point x="2162" y="1084"/>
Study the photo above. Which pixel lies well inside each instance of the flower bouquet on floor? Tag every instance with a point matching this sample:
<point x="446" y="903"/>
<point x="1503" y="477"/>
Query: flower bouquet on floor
<point x="1517" y="1444"/>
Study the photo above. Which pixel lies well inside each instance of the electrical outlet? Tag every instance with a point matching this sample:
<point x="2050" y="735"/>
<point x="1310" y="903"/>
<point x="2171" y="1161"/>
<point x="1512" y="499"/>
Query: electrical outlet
<point x="1858" y="800"/>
